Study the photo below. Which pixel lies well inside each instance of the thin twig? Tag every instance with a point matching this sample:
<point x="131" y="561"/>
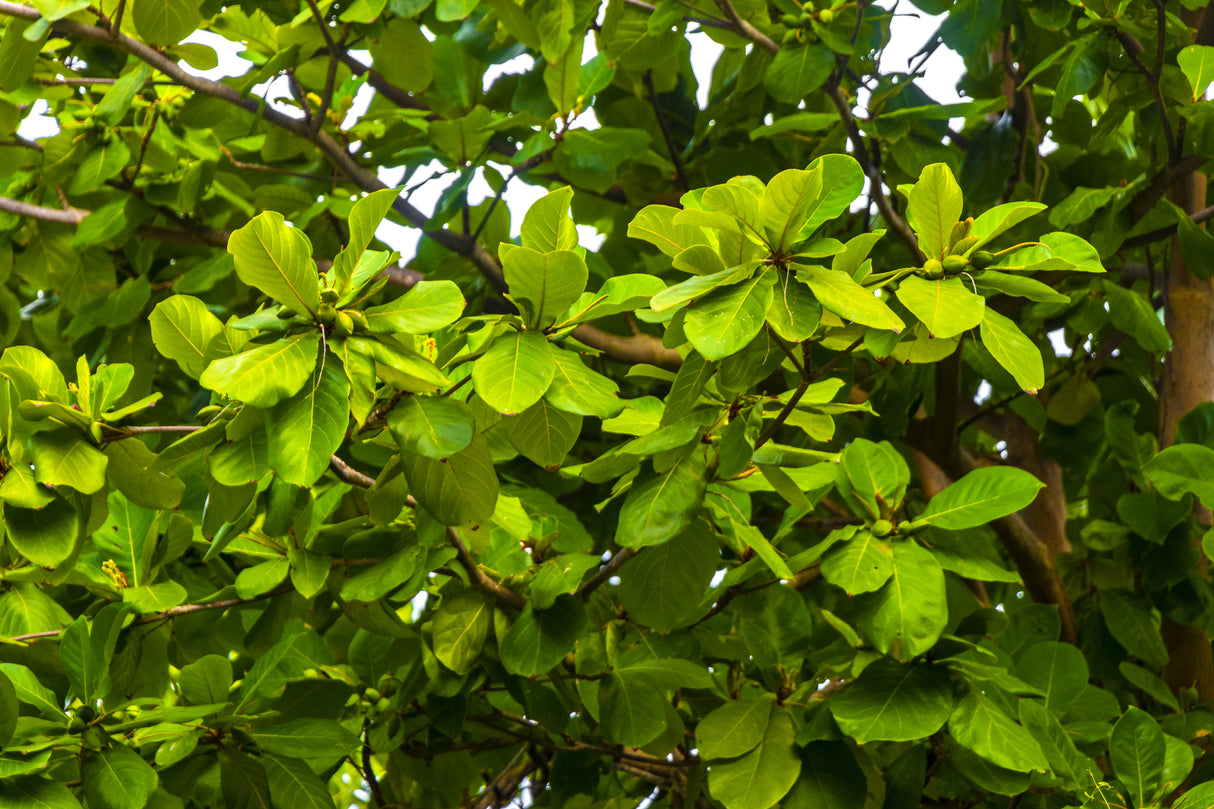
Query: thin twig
<point x="679" y="172"/>
<point x="606" y="571"/>
<point x="479" y="577"/>
<point x="349" y="474"/>
<point x="745" y="29"/>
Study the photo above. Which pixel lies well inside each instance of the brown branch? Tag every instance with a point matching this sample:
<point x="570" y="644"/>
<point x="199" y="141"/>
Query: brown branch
<point x="173" y="612"/>
<point x="1161" y="183"/>
<point x="876" y="181"/>
<point x="744" y="29"/>
<point x="71" y="216"/>
<point x="349" y="474"/>
<point x="1144" y="239"/>
<point x="679" y="172"/>
<point x="606" y="571"/>
<point x="479" y="577"/>
<point x="1132" y="48"/>
<point x="708" y="22"/>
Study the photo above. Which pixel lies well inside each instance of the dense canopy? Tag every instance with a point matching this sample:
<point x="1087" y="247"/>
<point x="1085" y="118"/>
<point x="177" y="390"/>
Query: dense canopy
<point x="807" y="442"/>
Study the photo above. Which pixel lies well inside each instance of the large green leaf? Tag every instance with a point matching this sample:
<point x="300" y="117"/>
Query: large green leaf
<point x="946" y="306"/>
<point x="265" y="375"/>
<point x="460" y="628"/>
<point x="432" y="426"/>
<point x="662" y="505"/>
<point x="515" y="372"/>
<point x="544" y="284"/>
<point x="118" y="778"/>
<point x="459" y="490"/>
<point x="1183" y="468"/>
<point x="794" y="313"/>
<point x="37" y="793"/>
<point x="1133" y="622"/>
<point x="830" y="779"/>
<point x="663" y="586"/>
<point x="839" y="293"/>
<point x="979" y="725"/>
<point x="764" y="775"/>
<point x="1058" y="669"/>
<point x="63" y="458"/>
<point x="1136" y="749"/>
<point x="632" y="707"/>
<point x="892" y="701"/>
<point x="365" y="216"/>
<point x="1013" y="350"/>
<point x="206" y="680"/>
<point x="45" y="536"/>
<point x="579" y="390"/>
<point x="276" y="259"/>
<point x="859" y="565"/>
<point x="305" y="738"/>
<point x="242" y="780"/>
<point x="182" y="327"/>
<point x="725" y="320"/>
<point x="293" y="784"/>
<point x="306" y="430"/>
<point x="1133" y="314"/>
<point x="906" y="616"/>
<point x="981" y="497"/>
<point x="547" y="225"/>
<point x="933" y="208"/>
<point x="540" y="639"/>
<point x="1197" y="64"/>
<point x="798" y="71"/>
<point x="127" y="537"/>
<point x="427" y="307"/>
<point x="544" y="434"/>
<point x="733" y="729"/>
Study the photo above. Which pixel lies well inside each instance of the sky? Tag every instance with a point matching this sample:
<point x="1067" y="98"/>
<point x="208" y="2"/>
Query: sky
<point x="911" y="28"/>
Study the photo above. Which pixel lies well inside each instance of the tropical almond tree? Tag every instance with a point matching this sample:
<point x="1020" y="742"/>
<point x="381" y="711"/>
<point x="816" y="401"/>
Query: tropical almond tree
<point x="861" y="460"/>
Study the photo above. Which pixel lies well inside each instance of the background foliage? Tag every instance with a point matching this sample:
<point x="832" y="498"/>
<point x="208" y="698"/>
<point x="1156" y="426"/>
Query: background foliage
<point x="864" y="464"/>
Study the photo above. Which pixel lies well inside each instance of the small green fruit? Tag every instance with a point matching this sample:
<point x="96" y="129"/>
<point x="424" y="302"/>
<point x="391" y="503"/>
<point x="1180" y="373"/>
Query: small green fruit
<point x="372" y="695"/>
<point x="826" y="16"/>
<point x="76" y="725"/>
<point x="955" y="264"/>
<point x="790" y="37"/>
<point x="982" y="259"/>
<point x="882" y="528"/>
<point x="383" y="704"/>
<point x="933" y="269"/>
<point x="790" y="19"/>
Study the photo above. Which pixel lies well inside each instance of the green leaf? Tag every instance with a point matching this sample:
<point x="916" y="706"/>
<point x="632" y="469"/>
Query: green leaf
<point x="632" y="708"/>
<point x="946" y="306"/>
<point x="839" y="293"/>
<point x="980" y="726"/>
<point x="428" y="306"/>
<point x="365" y="216"/>
<point x="127" y="537"/>
<point x="9" y="709"/>
<point x="293" y="784"/>
<point x="577" y="389"/>
<point x="515" y="372"/>
<point x="933" y="208"/>
<point x="20" y="488"/>
<point x="63" y="458"/>
<point x="45" y="536"/>
<point x="1058" y="669"/>
<point x="181" y="329"/>
<point x="663" y="586"/>
<point x="1013" y="351"/>
<point x="206" y="681"/>
<point x="305" y="738"/>
<point x="735" y="728"/>
<point x="1001" y="218"/>
<point x="603" y="148"/>
<point x="18" y="55"/>
<point x="1136" y="750"/>
<point x="1149" y="683"/>
<point x="543" y="434"/>
<point x="662" y="505"/>
<point x="31" y="691"/>
<point x="892" y="701"/>
<point x="830" y="779"/>
<point x="165" y="22"/>
<point x="1018" y="286"/>
<point x="547" y="225"/>
<point x="460" y="628"/>
<point x="1131" y="313"/>
<point x="306" y="430"/>
<point x="906" y="616"/>
<point x="37" y="793"/>
<point x="764" y="775"/>
<point x="1197" y="64"/>
<point x="459" y="491"/>
<point x="1180" y="469"/>
<point x="130" y="471"/>
<point x="794" y="313"/>
<point x="117" y="778"/>
<point x="544" y="285"/>
<point x="797" y="72"/>
<point x="860" y="565"/>
<point x="655" y="224"/>
<point x="1134" y="624"/>
<point x="433" y="426"/>
<point x="242" y="780"/>
<point x="277" y="259"/>
<point x="262" y="578"/>
<point x="100" y="164"/>
<point x="540" y="639"/>
<point x="265" y="375"/>
<point x="981" y="497"/>
<point x="725" y="320"/>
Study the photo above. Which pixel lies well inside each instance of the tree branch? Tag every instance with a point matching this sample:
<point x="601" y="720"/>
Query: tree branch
<point x="606" y="571"/>
<point x="479" y="577"/>
<point x="679" y="172"/>
<point x="744" y="29"/>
